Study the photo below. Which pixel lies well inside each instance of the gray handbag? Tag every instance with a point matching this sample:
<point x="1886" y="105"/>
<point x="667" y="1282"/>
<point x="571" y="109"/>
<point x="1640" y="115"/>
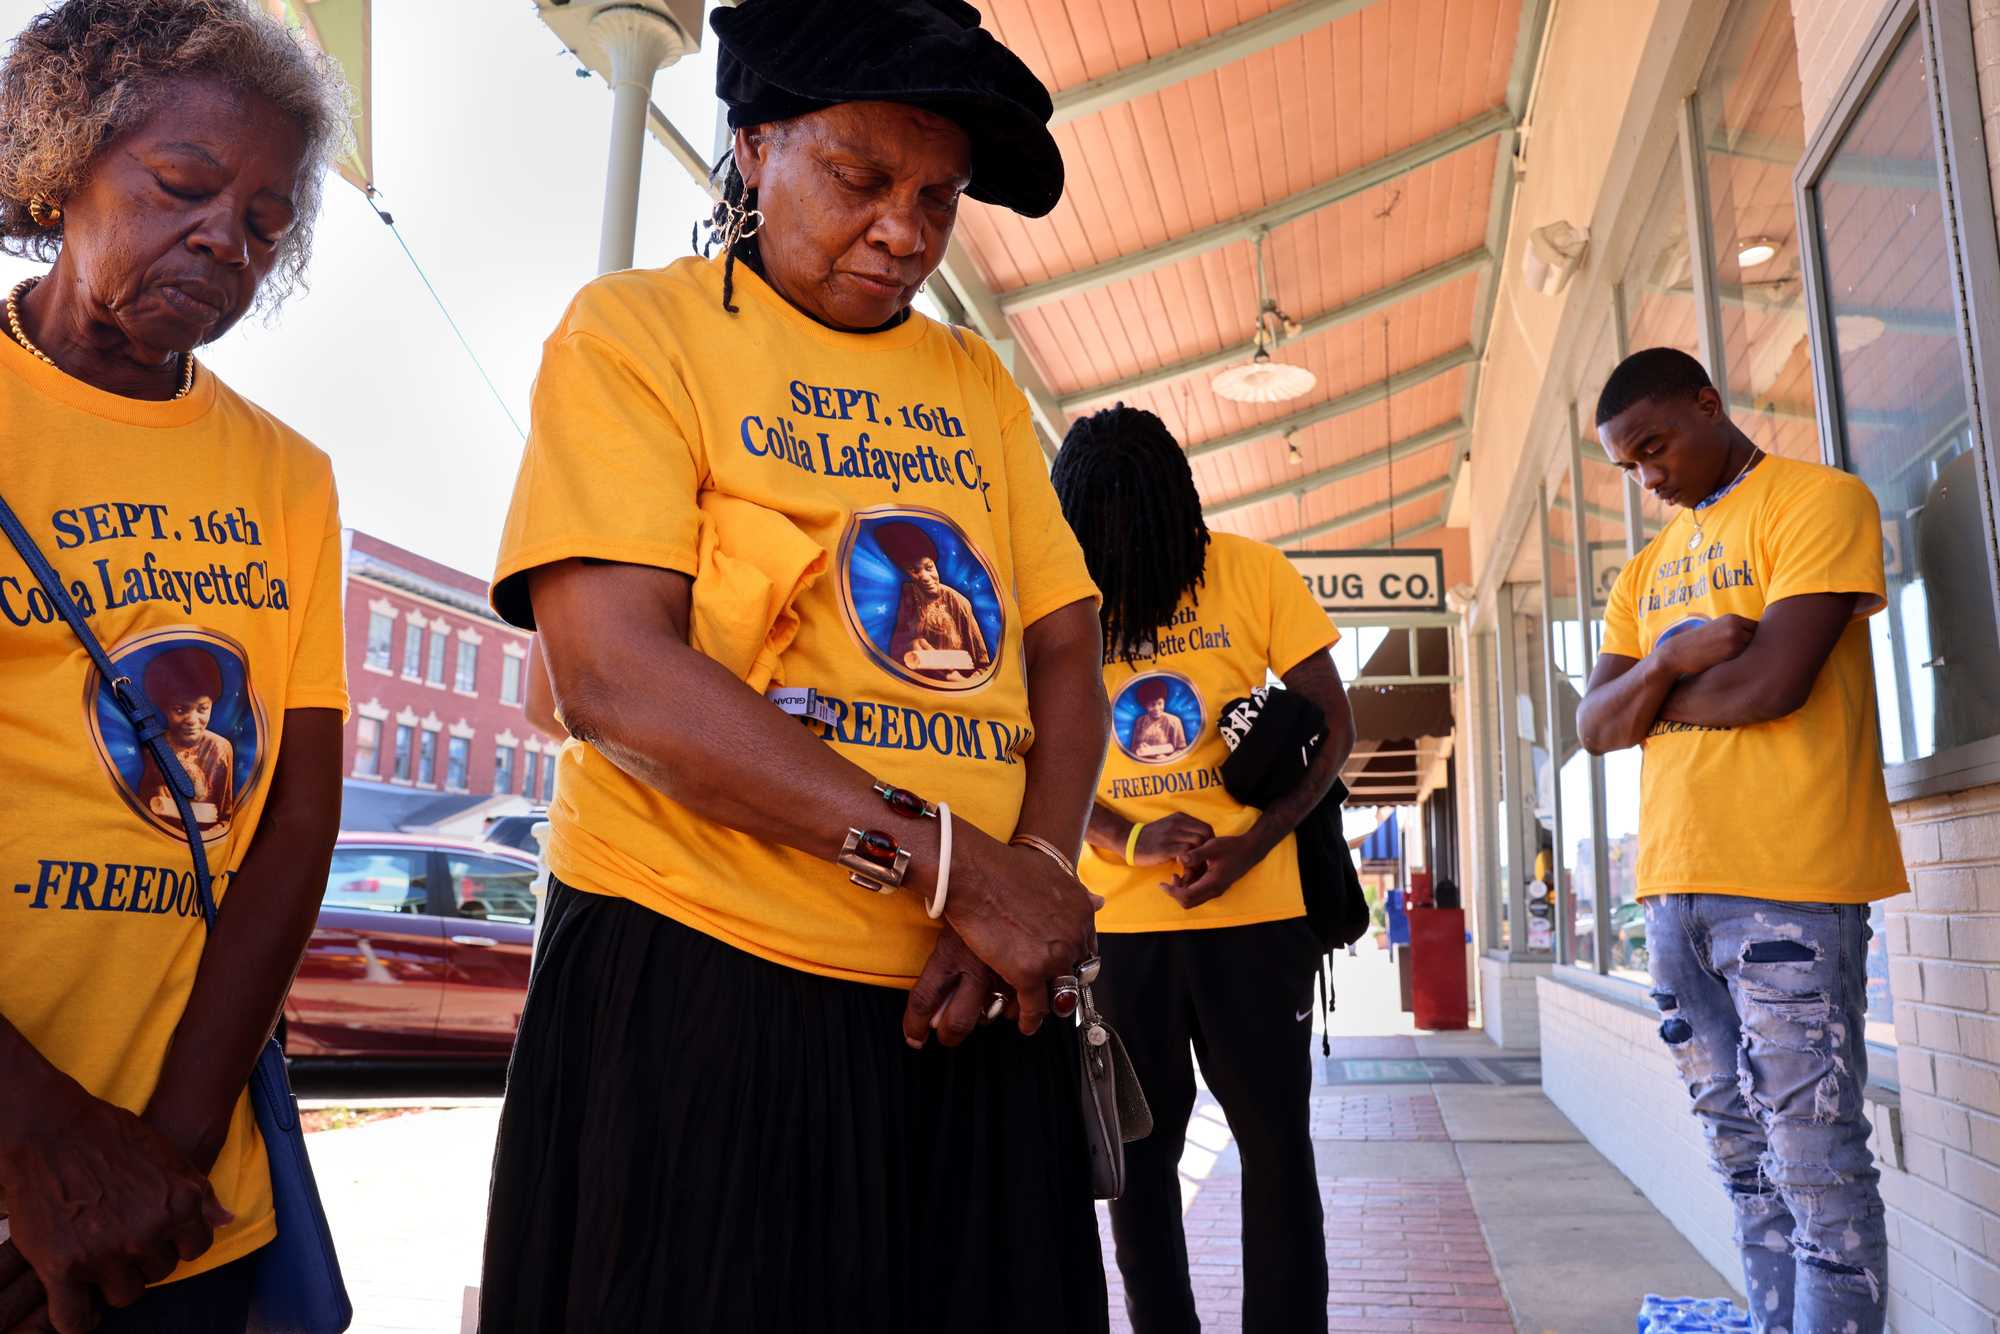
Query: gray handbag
<point x="1114" y="1106"/>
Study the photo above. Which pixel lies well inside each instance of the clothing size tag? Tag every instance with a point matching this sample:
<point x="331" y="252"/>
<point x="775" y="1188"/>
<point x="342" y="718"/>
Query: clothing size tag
<point x="803" y="703"/>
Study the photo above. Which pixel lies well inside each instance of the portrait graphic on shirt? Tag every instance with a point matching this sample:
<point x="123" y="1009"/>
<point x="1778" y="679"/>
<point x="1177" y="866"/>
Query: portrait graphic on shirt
<point x="921" y="599"/>
<point x="1157" y="718"/>
<point x="199" y="684"/>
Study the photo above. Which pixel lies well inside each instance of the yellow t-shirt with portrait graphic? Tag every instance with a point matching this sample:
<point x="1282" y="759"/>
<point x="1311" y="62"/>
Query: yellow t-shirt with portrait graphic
<point x="201" y="539"/>
<point x="1251" y="614"/>
<point x="909" y="457"/>
<point x="1793" y="809"/>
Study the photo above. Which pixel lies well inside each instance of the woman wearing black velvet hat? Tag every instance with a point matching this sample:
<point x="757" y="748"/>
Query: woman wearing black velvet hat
<point x="809" y="859"/>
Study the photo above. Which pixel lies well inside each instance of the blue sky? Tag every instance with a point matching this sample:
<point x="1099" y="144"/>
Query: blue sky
<point x="490" y="153"/>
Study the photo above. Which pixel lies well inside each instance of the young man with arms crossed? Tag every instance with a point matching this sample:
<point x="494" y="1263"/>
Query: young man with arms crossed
<point x="1735" y="652"/>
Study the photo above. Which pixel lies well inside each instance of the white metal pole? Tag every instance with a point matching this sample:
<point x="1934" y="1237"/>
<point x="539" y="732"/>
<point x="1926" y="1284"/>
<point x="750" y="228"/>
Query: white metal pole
<point x="638" y="42"/>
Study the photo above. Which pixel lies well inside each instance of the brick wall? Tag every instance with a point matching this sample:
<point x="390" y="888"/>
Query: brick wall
<point x="1830" y="34"/>
<point x="1944" y="951"/>
<point x="1508" y="1007"/>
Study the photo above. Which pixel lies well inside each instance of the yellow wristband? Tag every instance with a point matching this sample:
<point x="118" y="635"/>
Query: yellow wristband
<point x="1132" y="843"/>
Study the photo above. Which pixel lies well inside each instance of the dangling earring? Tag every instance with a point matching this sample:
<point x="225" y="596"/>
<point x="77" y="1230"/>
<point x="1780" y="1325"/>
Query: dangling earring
<point x="731" y="223"/>
<point x="44" y="211"/>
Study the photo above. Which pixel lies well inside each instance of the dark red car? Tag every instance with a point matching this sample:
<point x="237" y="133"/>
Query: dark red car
<point x="421" y="952"/>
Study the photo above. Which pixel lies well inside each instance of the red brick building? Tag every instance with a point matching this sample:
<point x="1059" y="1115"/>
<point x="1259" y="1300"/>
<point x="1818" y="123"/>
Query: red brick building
<point x="438" y="733"/>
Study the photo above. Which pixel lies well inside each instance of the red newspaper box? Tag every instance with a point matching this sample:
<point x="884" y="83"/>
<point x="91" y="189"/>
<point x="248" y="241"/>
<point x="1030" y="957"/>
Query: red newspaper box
<point x="1437" y="973"/>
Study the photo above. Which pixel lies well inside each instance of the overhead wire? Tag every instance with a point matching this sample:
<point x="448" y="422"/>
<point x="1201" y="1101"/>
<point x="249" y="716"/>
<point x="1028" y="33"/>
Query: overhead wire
<point x="389" y="221"/>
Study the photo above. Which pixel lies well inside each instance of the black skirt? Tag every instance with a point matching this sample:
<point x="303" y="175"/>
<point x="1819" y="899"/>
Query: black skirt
<point x="696" y="1139"/>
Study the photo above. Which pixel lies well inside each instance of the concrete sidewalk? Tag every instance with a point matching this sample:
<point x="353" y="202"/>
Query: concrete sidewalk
<point x="1449" y="1206"/>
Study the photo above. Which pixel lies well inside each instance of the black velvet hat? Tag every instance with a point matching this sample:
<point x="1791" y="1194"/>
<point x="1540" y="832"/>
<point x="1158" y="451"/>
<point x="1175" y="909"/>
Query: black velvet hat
<point x="784" y="58"/>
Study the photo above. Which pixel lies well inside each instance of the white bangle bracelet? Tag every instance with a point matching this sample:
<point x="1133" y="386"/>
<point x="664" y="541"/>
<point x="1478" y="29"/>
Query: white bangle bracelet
<point x="943" y="891"/>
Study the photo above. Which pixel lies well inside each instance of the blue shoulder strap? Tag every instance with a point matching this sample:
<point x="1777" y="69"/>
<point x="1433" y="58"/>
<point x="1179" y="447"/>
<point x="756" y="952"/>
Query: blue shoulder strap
<point x="146" y="722"/>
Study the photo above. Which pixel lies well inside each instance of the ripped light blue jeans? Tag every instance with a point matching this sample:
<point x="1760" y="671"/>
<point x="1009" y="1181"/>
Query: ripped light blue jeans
<point x="1761" y="1004"/>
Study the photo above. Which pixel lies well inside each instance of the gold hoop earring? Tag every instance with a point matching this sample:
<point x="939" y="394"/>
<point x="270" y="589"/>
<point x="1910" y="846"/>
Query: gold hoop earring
<point x="44" y="211"/>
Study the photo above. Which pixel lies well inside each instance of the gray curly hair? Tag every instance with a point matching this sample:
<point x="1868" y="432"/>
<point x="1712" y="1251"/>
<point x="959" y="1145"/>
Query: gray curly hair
<point x="85" y="70"/>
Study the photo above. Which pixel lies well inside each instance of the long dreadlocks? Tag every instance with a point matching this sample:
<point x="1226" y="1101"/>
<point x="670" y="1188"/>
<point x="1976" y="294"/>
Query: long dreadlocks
<point x="1127" y="491"/>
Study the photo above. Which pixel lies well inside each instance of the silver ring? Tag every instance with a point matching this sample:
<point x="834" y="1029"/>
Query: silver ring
<point x="995" y="1006"/>
<point x="1087" y="971"/>
<point x="1065" y="985"/>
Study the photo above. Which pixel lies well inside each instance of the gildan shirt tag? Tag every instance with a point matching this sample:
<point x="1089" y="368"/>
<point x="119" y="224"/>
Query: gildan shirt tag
<point x="803" y="702"/>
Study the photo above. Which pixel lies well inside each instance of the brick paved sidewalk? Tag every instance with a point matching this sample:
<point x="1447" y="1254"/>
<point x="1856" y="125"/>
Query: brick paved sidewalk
<point x="1402" y="1254"/>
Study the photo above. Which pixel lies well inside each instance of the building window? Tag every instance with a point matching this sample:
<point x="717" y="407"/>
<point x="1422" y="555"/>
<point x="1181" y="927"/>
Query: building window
<point x="413" y="650"/>
<point x="434" y="666"/>
<point x="468" y="668"/>
<point x="529" y="772"/>
<point x="1657" y="296"/>
<point x="510" y="679"/>
<point x="1752" y="125"/>
<point x="1887" y="309"/>
<point x="458" y="764"/>
<point x="427" y="759"/>
<point x="549" y="780"/>
<point x="381" y="639"/>
<point x="503" y="770"/>
<point x="405" y="738"/>
<point x="367" y="747"/>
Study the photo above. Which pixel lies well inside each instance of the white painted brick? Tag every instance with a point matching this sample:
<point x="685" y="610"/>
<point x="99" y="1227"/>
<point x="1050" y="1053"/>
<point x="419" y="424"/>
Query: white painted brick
<point x="1984" y="1133"/>
<point x="1946" y="889"/>
<point x="1961" y="986"/>
<point x="1924" y="1158"/>
<point x="1973" y="1084"/>
<point x="1937" y="1029"/>
<point x="1961" y="1315"/>
<point x="1979" y="1280"/>
<point x="1925" y="1250"/>
<point x="1930" y="936"/>
<point x="1914" y="1069"/>
<point x="1972" y="1180"/>
<point x="1976" y="939"/>
<point x="1906" y="979"/>
<point x="1970" y="838"/>
<point x="1979" y="1037"/>
<point x="1934" y="1118"/>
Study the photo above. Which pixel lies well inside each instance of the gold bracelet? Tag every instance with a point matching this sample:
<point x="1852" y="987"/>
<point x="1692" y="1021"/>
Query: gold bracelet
<point x="1047" y="849"/>
<point x="1132" y="842"/>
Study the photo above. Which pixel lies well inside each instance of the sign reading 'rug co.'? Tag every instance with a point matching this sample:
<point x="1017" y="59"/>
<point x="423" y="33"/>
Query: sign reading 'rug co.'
<point x="1345" y="582"/>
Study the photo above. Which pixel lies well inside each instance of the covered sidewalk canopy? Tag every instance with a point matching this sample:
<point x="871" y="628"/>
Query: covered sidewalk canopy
<point x="1367" y="150"/>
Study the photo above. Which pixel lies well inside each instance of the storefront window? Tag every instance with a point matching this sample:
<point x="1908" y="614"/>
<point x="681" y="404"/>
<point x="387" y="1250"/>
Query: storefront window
<point x="1753" y="133"/>
<point x="1658" y="297"/>
<point x="1903" y="416"/>
<point x="1502" y="731"/>
<point x="1569" y="675"/>
<point x="1535" y="793"/>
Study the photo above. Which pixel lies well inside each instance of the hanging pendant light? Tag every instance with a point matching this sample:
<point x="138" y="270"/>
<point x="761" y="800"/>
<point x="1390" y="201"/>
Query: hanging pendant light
<point x="1262" y="380"/>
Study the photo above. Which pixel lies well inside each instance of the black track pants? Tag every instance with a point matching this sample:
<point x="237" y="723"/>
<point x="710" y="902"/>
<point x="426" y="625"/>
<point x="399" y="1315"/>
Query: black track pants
<point x="1241" y="1000"/>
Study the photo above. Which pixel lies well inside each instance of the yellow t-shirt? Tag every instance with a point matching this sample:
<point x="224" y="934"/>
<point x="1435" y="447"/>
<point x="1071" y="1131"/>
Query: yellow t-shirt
<point x="1793" y="809"/>
<point x="201" y="539"/>
<point x="911" y="460"/>
<point x="1252" y="613"/>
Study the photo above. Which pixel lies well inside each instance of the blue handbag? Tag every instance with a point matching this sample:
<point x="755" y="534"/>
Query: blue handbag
<point x="297" y="1288"/>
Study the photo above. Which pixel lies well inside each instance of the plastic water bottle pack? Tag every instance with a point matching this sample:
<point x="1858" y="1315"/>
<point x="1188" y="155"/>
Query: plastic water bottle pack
<point x="1692" y="1315"/>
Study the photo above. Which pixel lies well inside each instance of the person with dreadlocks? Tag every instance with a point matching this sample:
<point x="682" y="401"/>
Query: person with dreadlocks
<point x="1203" y="931"/>
<point x="761" y="1082"/>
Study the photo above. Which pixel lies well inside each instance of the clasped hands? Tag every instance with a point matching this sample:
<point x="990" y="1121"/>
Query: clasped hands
<point x="101" y="1203"/>
<point x="1015" y="921"/>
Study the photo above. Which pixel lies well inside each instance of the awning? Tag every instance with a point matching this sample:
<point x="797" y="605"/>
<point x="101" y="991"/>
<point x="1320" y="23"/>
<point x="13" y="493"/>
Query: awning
<point x="1398" y="728"/>
<point x="341" y="29"/>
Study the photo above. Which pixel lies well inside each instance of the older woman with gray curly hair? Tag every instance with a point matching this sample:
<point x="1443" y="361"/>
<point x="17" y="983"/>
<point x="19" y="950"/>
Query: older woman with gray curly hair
<point x="166" y="158"/>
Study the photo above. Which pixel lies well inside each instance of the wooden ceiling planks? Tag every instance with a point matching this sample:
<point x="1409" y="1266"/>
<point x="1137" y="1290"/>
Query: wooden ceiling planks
<point x="1226" y="142"/>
